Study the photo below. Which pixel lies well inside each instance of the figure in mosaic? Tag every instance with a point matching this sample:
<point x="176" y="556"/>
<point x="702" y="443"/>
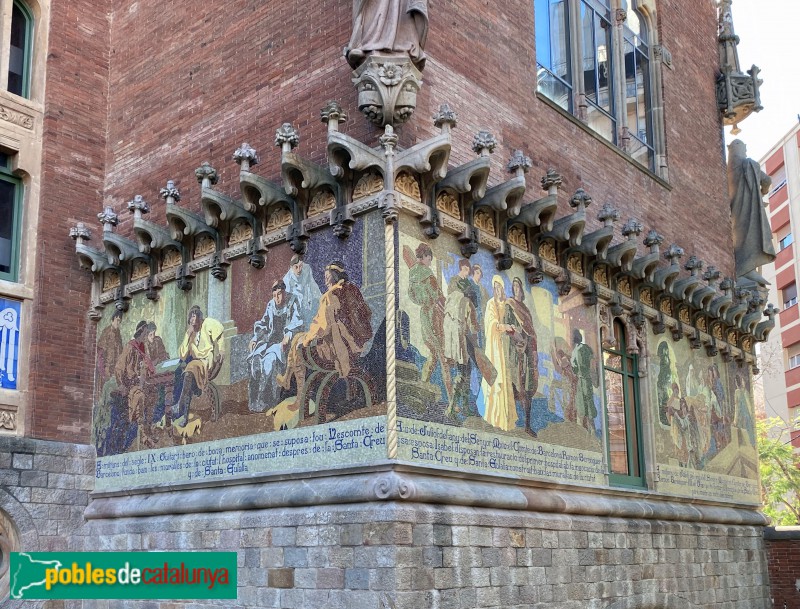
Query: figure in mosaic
<point x="109" y="348"/>
<point x="272" y="335"/>
<point x="299" y="282"/>
<point x="134" y="368"/>
<point x="424" y="290"/>
<point x="665" y="381"/>
<point x="154" y="345"/>
<point x="585" y="370"/>
<point x="744" y="409"/>
<point x="460" y="331"/>
<point x="752" y="236"/>
<point x="342" y="326"/>
<point x="686" y="434"/>
<point x="201" y="356"/>
<point x="388" y="26"/>
<point x="524" y="355"/>
<point x="479" y="297"/>
<point x="499" y="407"/>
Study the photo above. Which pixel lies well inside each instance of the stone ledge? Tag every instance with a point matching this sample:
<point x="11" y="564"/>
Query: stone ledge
<point x="13" y="444"/>
<point x="408" y="486"/>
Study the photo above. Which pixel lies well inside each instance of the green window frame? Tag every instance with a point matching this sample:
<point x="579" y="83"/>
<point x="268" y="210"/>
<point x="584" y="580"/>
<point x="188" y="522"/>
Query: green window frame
<point x="20" y="50"/>
<point x="10" y="220"/>
<point x="623" y="413"/>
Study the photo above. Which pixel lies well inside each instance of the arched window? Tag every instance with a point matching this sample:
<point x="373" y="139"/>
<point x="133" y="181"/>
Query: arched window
<point x="623" y="421"/>
<point x="19" y="55"/>
<point x="607" y="46"/>
<point x="10" y="220"/>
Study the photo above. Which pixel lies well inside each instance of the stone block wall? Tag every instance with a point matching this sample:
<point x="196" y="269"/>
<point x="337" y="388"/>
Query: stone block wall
<point x="783" y="555"/>
<point x="413" y="556"/>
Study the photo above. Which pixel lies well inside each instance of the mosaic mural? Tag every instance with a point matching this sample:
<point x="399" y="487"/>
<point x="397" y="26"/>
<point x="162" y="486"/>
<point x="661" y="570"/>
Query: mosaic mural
<point x="703" y="421"/>
<point x="494" y="373"/>
<point x="9" y="342"/>
<point x="296" y="345"/>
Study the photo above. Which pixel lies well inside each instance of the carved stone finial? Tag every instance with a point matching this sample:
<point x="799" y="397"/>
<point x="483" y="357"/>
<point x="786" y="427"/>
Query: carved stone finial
<point x="519" y="163"/>
<point x="551" y="181"/>
<point x="771" y="311"/>
<point x="608" y="214"/>
<point x="673" y="254"/>
<point x="206" y="175"/>
<point x="726" y="285"/>
<point x="389" y="138"/>
<point x="80" y="233"/>
<point x="484" y="143"/>
<point x="694" y="265"/>
<point x="287" y="137"/>
<point x="138" y="207"/>
<point x="245" y="156"/>
<point x="580" y="200"/>
<point x="445" y="119"/>
<point x="108" y="219"/>
<point x="653" y="240"/>
<point x="332" y="114"/>
<point x="171" y="194"/>
<point x="632" y="229"/>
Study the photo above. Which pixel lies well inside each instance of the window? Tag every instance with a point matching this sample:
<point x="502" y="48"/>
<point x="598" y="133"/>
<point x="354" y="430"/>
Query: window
<point x="612" y="60"/>
<point x="19" y="56"/>
<point x="789" y="294"/>
<point x="778" y="180"/>
<point x="621" y="381"/>
<point x="794" y="361"/>
<point x="10" y="219"/>
<point x="785" y="241"/>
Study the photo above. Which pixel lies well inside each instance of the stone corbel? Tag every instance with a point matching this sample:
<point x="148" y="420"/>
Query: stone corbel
<point x="763" y="329"/>
<point x="683" y="289"/>
<point x="300" y="176"/>
<point x="658" y="324"/>
<point x="739" y="306"/>
<point x="120" y="251"/>
<point x="677" y="332"/>
<point x="94" y="261"/>
<point x="664" y="278"/>
<point x="472" y="177"/>
<point x="428" y="159"/>
<point x="754" y="314"/>
<point x="387" y="88"/>
<point x="541" y="212"/>
<point x="703" y="296"/>
<point x="469" y="241"/>
<point x="564" y="283"/>
<point x="184" y="225"/>
<point x="644" y="266"/>
<point x="622" y="254"/>
<point x="597" y="242"/>
<point x="219" y="209"/>
<point x="719" y="306"/>
<point x="570" y="228"/>
<point x="711" y="348"/>
<point x="695" y="341"/>
<point x="507" y="197"/>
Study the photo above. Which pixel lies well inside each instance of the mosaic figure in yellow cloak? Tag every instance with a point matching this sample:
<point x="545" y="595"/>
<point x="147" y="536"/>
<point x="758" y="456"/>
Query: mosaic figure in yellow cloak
<point x="500" y="409"/>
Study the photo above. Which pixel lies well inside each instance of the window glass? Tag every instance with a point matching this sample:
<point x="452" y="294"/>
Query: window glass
<point x="598" y="74"/>
<point x="786" y="241"/>
<point x="789" y="295"/>
<point x="19" y="53"/>
<point x="552" y="51"/>
<point x="9" y="228"/>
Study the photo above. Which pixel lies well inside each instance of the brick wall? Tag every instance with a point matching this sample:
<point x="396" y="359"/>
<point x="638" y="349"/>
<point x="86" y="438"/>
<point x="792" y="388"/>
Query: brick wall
<point x="62" y="349"/>
<point x="783" y="556"/>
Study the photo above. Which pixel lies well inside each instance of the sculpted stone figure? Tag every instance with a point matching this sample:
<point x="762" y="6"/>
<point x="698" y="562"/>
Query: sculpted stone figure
<point x="752" y="238"/>
<point x="388" y="26"/>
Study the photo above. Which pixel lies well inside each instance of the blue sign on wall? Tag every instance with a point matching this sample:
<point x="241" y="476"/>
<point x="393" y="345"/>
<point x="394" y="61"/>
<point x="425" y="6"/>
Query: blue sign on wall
<point x="9" y="342"/>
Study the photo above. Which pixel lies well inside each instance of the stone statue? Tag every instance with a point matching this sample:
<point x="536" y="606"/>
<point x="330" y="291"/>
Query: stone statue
<point x="752" y="237"/>
<point x="388" y="27"/>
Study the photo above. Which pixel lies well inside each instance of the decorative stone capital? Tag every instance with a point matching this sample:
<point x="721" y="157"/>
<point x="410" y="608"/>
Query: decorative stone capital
<point x="519" y="163"/>
<point x="332" y="114"/>
<point x="206" y="175"/>
<point x="445" y="119"/>
<point x="138" y="206"/>
<point x="387" y="88"/>
<point x="484" y="143"/>
<point x="632" y="229"/>
<point x="653" y="240"/>
<point x="608" y="214"/>
<point x="245" y="156"/>
<point x="287" y="137"/>
<point x="80" y="233"/>
<point x="663" y="54"/>
<point x="580" y="200"/>
<point x="171" y="194"/>
<point x="108" y="219"/>
<point x="620" y="16"/>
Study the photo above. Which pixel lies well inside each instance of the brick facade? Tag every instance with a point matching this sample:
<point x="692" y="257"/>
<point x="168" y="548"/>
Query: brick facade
<point x="783" y="556"/>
